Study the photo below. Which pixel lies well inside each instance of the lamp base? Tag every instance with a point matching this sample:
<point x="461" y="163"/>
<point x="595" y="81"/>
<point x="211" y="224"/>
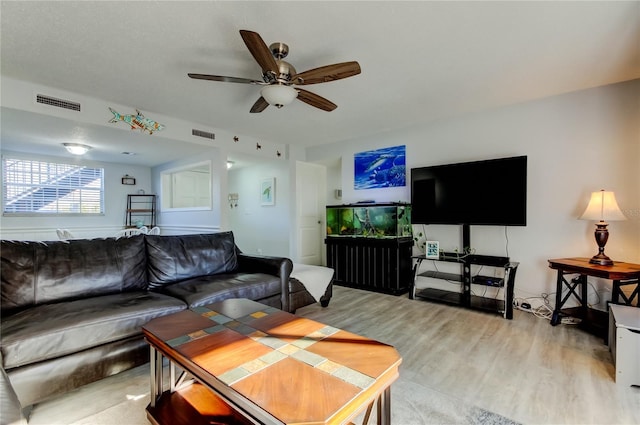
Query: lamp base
<point x="602" y="235"/>
<point x="601" y="259"/>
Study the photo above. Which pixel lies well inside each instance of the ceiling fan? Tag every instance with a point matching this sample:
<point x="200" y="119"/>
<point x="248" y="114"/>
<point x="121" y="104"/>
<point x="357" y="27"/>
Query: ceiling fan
<point x="279" y="77"/>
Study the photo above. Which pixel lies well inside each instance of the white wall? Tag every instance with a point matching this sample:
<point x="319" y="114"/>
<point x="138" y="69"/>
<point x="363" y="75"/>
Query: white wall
<point x="576" y="143"/>
<point x="115" y="200"/>
<point x="260" y="229"/>
<point x="334" y="182"/>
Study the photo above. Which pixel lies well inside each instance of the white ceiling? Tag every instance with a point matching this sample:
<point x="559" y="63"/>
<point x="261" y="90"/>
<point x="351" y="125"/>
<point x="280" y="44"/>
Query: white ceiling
<point x="421" y="61"/>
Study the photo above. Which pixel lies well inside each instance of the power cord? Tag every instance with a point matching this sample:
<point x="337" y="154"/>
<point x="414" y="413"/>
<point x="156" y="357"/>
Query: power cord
<point x="543" y="311"/>
<point x="506" y="241"/>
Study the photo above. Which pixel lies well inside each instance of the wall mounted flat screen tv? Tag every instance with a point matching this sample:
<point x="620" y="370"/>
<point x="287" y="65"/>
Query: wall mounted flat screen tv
<point x="490" y="192"/>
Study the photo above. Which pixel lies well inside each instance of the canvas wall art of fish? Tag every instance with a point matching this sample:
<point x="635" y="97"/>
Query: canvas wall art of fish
<point x="137" y="121"/>
<point x="380" y="168"/>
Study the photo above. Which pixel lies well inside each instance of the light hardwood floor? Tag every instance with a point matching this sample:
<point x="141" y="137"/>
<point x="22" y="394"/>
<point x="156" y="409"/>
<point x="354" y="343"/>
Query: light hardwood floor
<point x="523" y="369"/>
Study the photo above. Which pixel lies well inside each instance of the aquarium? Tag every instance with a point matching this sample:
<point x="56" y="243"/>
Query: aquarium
<point x="389" y="220"/>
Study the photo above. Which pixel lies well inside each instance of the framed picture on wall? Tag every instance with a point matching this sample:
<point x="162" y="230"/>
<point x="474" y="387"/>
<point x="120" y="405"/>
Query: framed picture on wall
<point x="268" y="191"/>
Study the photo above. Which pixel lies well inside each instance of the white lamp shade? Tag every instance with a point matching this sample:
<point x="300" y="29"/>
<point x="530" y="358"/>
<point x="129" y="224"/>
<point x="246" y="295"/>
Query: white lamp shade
<point x="279" y="95"/>
<point x="603" y="207"/>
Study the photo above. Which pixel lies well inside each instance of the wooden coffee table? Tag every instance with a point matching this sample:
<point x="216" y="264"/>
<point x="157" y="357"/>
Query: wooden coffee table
<point x="251" y="363"/>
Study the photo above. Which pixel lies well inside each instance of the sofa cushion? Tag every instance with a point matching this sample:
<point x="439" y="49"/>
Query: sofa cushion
<point x="175" y="258"/>
<point x="209" y="289"/>
<point x="53" y="330"/>
<point x="36" y="273"/>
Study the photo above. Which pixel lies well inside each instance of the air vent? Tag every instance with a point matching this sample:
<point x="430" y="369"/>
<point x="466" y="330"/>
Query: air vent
<point x="204" y="134"/>
<point x="58" y="103"/>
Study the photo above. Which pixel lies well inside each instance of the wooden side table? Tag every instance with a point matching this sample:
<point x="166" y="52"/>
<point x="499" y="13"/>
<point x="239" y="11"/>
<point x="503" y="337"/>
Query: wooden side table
<point x="592" y="320"/>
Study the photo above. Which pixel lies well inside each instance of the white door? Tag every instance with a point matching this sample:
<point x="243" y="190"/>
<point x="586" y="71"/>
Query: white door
<point x="310" y="210"/>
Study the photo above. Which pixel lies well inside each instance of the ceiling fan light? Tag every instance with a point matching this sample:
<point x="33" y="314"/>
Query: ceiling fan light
<point x="279" y="95"/>
<point x="77" y="148"/>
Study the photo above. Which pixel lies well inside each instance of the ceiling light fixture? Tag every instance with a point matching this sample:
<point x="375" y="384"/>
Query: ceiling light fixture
<point x="279" y="95"/>
<point x="229" y="164"/>
<point x="77" y="148"/>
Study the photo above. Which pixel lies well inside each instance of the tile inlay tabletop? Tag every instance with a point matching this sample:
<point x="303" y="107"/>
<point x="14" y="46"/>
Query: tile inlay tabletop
<point x="272" y="366"/>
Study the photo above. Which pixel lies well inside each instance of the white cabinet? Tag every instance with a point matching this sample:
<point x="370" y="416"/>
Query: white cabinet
<point x="624" y="343"/>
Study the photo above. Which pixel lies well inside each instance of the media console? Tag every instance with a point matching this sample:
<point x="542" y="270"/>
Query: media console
<point x="464" y="297"/>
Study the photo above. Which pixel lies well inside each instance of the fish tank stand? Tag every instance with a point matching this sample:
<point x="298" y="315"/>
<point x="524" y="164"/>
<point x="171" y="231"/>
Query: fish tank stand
<point x="369" y="246"/>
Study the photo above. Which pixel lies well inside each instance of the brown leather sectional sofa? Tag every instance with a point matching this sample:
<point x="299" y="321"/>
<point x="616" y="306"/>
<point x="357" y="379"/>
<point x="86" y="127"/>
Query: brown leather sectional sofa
<point x="72" y="310"/>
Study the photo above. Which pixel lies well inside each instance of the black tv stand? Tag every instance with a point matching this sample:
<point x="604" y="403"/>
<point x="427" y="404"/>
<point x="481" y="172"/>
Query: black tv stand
<point x="465" y="298"/>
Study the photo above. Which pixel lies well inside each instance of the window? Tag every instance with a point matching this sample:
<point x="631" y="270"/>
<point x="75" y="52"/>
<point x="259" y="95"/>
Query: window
<point x="36" y="187"/>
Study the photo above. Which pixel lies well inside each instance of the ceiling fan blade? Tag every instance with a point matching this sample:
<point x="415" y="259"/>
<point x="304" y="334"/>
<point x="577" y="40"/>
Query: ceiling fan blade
<point x="315" y="100"/>
<point x="260" y="51"/>
<point x="225" y="79"/>
<point x="327" y="73"/>
<point x="260" y="105"/>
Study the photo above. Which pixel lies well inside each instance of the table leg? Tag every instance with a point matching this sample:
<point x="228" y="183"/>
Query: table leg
<point x="152" y="377"/>
<point x="155" y="366"/>
<point x="367" y="415"/>
<point x="615" y="292"/>
<point x="555" y="318"/>
<point x="384" y="407"/>
<point x="584" y="304"/>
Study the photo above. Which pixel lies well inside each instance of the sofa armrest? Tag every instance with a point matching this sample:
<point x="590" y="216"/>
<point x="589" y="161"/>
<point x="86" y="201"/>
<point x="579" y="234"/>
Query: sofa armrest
<point x="277" y="266"/>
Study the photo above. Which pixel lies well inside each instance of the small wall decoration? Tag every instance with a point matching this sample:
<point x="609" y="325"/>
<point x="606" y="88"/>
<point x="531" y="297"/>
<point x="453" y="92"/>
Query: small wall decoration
<point x="127" y="179"/>
<point x="233" y="200"/>
<point x="137" y="121"/>
<point x="268" y="191"/>
<point x="380" y="168"/>
<point x="432" y="249"/>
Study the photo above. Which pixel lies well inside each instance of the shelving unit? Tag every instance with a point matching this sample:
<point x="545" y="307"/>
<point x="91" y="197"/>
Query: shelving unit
<point x="140" y="208"/>
<point x="464" y="297"/>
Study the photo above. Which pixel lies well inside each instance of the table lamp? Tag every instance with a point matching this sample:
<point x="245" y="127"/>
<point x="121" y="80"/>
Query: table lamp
<point x="602" y="207"/>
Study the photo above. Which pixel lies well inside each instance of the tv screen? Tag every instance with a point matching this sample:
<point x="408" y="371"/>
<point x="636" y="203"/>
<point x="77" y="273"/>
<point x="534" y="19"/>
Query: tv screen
<point x="491" y="192"/>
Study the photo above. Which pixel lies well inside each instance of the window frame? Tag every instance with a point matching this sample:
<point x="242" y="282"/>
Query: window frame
<point x="69" y="169"/>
